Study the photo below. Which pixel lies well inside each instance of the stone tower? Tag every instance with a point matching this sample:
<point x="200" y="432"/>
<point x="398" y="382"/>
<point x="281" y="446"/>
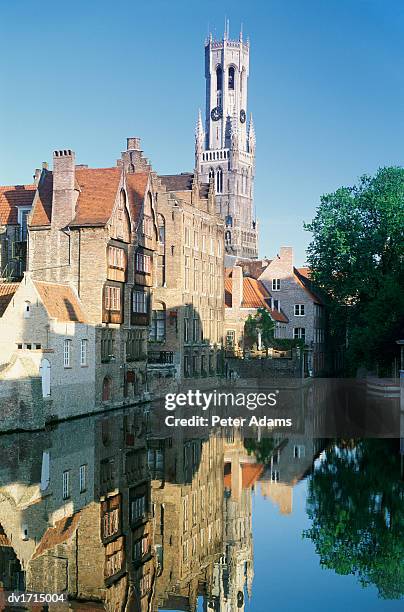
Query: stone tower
<point x="225" y="145"/>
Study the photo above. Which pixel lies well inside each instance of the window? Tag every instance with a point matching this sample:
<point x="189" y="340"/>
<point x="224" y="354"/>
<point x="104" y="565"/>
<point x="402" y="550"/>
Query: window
<point x="195" y="327"/>
<point x="275" y="476"/>
<point x="155" y="463"/>
<point x="276" y="284"/>
<point x="147" y="227"/>
<point x="299" y="310"/>
<point x="276" y="305"/>
<point x="45" y="370"/>
<point x="204" y="243"/>
<point x="299" y="333"/>
<point x="116" y="257"/>
<point x="196" y="240"/>
<point x="143" y="263"/>
<point x="66" y="353"/>
<point x="185" y="512"/>
<point x="219" y="78"/>
<point x="106" y="389"/>
<point x="230" y="338"/>
<point x="110" y="523"/>
<point x="161" y="229"/>
<point x="27" y="309"/>
<point x="194" y="365"/>
<point x="186" y="329"/>
<point x="298" y="451"/>
<point x="107" y="345"/>
<point x="145" y="584"/>
<point x="141" y="547"/>
<point x="187" y="272"/>
<point x="83" y="352"/>
<point x="66" y="484"/>
<point x="158" y="324"/>
<point x="186" y="365"/>
<point x="219" y="181"/>
<point x="187" y="236"/>
<point x="135" y="345"/>
<point x="138" y="508"/>
<point x="196" y="275"/>
<point x="83" y="478"/>
<point x="140" y="302"/>
<point x="231" y="77"/>
<point x="112" y="298"/>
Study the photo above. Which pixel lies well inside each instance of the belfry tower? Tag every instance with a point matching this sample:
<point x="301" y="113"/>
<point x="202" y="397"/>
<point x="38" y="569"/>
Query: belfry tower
<point x="225" y="145"/>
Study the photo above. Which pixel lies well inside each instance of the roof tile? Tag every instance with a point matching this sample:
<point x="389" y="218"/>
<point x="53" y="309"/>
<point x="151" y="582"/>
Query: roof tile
<point x="60" y="302"/>
<point x="11" y="198"/>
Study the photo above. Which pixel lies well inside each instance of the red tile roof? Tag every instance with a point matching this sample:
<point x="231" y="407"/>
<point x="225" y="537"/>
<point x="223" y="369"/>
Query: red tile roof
<point x="255" y="295"/>
<point x="98" y="189"/>
<point x="303" y="277"/>
<point x="250" y="474"/>
<point x="7" y="291"/>
<point x="61" y="532"/>
<point x="136" y="185"/>
<point x="42" y="211"/>
<point x="13" y="197"/>
<point x="60" y="302"/>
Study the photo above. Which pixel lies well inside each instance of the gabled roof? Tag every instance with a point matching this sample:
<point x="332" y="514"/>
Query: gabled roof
<point x="60" y="533"/>
<point x="253" y="267"/>
<point x="42" y="211"/>
<point x="255" y="295"/>
<point x="303" y="277"/>
<point x="98" y="188"/>
<point x="11" y="198"/>
<point x="60" y="301"/>
<point x="250" y="474"/>
<point x="136" y="185"/>
<point x="7" y="291"/>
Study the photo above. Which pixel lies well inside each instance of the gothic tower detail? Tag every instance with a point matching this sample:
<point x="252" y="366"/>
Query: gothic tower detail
<point x="225" y="144"/>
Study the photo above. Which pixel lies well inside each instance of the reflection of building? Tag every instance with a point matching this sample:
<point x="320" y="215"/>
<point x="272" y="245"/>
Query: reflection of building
<point x="188" y="506"/>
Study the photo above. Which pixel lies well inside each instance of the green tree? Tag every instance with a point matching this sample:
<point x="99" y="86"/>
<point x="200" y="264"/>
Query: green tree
<point x="356" y="504"/>
<point x="356" y="256"/>
<point x="260" y="324"/>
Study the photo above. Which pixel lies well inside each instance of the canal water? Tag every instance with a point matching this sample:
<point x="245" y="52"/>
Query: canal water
<point x="113" y="515"/>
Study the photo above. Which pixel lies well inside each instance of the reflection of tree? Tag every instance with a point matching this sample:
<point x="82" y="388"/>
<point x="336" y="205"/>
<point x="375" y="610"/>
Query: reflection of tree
<point x="356" y="503"/>
<point x="262" y="450"/>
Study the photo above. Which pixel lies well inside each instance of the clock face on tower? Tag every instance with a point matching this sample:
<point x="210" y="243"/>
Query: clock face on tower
<point x="242" y="115"/>
<point x="216" y="113"/>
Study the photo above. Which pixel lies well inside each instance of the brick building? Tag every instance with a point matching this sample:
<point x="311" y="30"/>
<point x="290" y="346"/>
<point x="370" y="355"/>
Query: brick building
<point x="243" y="296"/>
<point x="15" y="206"/>
<point x="187" y="318"/>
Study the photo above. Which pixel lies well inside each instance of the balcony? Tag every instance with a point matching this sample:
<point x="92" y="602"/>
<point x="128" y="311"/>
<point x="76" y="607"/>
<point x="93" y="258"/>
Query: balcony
<point x="161" y="357"/>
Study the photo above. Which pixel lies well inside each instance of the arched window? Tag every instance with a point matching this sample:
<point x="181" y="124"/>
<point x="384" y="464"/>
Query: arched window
<point x="219" y="78"/>
<point x="211" y="174"/>
<point x="106" y="389"/>
<point x="219" y="181"/>
<point x="161" y="229"/>
<point x="227" y="237"/>
<point x="45" y="370"/>
<point x="229" y="221"/>
<point x="231" y="77"/>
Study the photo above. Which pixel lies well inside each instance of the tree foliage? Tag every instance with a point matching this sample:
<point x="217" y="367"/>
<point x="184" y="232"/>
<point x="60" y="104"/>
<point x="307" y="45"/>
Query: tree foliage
<point x="356" y="256"/>
<point x="261" y="323"/>
<point x="356" y="504"/>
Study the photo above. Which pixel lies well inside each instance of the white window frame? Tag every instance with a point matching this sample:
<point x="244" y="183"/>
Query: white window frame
<point x="66" y="484"/>
<point x="83" y="477"/>
<point x="139" y="302"/>
<point x="276" y="284"/>
<point x="83" y="351"/>
<point x="67" y="353"/>
<point x="299" y="333"/>
<point x="299" y="310"/>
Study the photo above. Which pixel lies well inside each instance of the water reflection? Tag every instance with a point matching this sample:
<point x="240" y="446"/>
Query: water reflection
<point x="120" y="517"/>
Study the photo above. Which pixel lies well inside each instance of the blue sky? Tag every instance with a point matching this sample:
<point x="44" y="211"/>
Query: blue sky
<point x="326" y="91"/>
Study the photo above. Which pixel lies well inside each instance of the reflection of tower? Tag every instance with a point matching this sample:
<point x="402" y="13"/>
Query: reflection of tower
<point x="235" y="568"/>
<point x="225" y="147"/>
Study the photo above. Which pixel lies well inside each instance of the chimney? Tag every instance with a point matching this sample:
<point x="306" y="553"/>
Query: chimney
<point x="63" y="204"/>
<point x="237" y="286"/>
<point x="133" y="159"/>
<point x="286" y="258"/>
<point x="37" y="175"/>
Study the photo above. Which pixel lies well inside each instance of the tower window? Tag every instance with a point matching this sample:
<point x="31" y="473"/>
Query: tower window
<point x="231" y="77"/>
<point x="219" y="181"/>
<point x="219" y="78"/>
<point x="211" y="174"/>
